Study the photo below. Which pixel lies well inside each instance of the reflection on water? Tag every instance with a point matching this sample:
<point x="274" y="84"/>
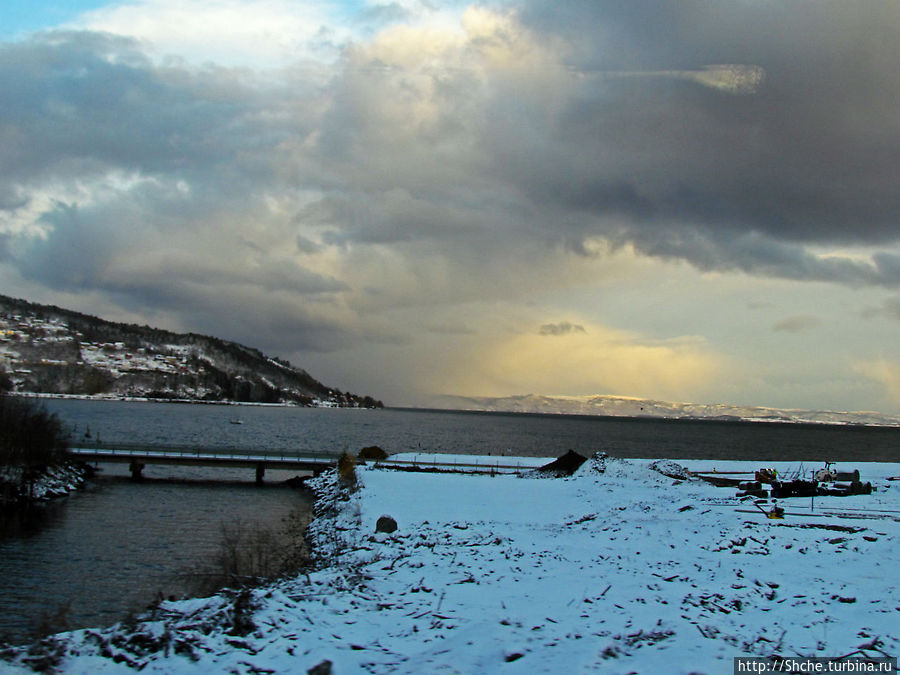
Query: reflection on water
<point x="29" y="521"/>
<point x="112" y="547"/>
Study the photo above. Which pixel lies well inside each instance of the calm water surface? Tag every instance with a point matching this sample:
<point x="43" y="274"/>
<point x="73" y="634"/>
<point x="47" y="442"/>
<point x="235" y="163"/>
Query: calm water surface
<point x="109" y="549"/>
<point x="279" y="429"/>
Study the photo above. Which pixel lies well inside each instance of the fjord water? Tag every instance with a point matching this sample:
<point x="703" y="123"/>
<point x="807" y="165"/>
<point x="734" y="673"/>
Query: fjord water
<point x="110" y="548"/>
<point x="113" y="547"/>
<point x="289" y="429"/>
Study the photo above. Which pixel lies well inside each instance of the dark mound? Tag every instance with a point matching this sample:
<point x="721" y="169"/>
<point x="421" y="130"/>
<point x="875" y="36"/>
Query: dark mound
<point x="566" y="465"/>
<point x="372" y="452"/>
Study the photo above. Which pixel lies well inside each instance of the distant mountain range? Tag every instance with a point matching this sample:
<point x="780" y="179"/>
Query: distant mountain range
<point x="619" y="406"/>
<point x="49" y="350"/>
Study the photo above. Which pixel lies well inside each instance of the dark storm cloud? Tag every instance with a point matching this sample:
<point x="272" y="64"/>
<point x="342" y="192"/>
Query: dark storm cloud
<point x="74" y="103"/>
<point x="446" y="169"/>
<point x="811" y="158"/>
<point x="755" y="253"/>
<point x="150" y="163"/>
<point x="93" y="248"/>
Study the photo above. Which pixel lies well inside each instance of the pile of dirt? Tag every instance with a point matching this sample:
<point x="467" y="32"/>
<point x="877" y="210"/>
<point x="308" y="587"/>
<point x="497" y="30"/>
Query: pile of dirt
<point x="566" y="465"/>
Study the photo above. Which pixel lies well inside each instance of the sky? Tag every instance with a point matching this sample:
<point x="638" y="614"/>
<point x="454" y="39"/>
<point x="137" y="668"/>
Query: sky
<point x="691" y="201"/>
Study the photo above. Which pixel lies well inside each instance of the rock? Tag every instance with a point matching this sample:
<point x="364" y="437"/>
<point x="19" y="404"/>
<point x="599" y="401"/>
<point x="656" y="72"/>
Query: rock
<point x="386" y="524"/>
<point x="598" y="461"/>
<point x="670" y="469"/>
<point x="323" y="668"/>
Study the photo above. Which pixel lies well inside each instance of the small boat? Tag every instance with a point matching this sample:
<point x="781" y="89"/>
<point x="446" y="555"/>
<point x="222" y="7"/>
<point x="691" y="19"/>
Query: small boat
<point x="236" y="420"/>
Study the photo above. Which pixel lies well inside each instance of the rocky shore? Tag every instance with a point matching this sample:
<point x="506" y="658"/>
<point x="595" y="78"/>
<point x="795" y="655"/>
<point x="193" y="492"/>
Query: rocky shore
<point x="55" y="482"/>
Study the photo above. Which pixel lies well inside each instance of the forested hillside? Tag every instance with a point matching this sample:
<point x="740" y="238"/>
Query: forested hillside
<point x="47" y="349"/>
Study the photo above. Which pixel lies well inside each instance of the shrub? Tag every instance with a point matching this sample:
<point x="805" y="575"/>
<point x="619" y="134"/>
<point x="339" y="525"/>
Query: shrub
<point x="373" y="452"/>
<point x="31" y="441"/>
<point x="251" y="553"/>
<point x="347" y="469"/>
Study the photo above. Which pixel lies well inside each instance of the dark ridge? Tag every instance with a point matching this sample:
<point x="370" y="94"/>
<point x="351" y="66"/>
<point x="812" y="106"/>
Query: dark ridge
<point x="210" y="369"/>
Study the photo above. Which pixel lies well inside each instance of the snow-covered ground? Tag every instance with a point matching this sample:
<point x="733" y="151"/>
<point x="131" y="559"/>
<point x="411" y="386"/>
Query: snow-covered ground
<point x="617" y="569"/>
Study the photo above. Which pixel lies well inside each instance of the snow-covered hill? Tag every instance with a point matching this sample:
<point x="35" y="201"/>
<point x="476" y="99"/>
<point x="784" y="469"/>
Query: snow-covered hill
<point x="620" y="406"/>
<point x="50" y="350"/>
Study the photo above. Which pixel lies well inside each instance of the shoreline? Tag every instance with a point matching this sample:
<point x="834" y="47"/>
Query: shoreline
<point x="721" y="419"/>
<point x="55" y="483"/>
<point x="183" y="401"/>
<point x="475" y="411"/>
<point x="619" y="568"/>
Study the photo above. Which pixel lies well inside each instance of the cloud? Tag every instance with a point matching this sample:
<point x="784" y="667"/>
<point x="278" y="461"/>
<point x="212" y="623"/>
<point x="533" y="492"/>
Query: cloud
<point x="450" y="328"/>
<point x="797" y="324"/>
<point x="353" y="179"/>
<point x="798" y="162"/>
<point x="561" y="328"/>
<point x="888" y="308"/>
<point x="256" y="33"/>
<point x="884" y="372"/>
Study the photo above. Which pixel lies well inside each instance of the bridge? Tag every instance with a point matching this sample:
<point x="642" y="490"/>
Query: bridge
<point x="139" y="456"/>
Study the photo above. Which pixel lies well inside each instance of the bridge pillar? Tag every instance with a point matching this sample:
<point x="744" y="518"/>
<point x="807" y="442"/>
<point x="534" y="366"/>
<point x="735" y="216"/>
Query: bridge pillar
<point x="136" y="468"/>
<point x="260" y="472"/>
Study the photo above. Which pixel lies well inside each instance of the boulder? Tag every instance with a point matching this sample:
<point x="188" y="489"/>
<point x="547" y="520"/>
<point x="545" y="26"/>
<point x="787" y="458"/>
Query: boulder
<point x="670" y="469"/>
<point x="386" y="524"/>
<point x="322" y="668"/>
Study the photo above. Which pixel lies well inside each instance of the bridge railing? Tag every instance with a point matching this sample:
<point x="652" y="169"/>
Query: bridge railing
<point x="160" y="452"/>
<point x="477" y="464"/>
<point x="193" y="452"/>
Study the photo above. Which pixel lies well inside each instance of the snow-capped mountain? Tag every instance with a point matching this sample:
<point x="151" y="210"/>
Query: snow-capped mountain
<point x="45" y="349"/>
<point x="620" y="406"/>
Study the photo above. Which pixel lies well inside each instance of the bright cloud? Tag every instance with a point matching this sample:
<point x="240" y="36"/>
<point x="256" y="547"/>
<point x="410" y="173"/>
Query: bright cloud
<point x="885" y="373"/>
<point x="258" y="33"/>
<point x="596" y="358"/>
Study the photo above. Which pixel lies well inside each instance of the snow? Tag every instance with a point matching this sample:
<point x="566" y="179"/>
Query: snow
<point x="616" y="569"/>
<point x="56" y="481"/>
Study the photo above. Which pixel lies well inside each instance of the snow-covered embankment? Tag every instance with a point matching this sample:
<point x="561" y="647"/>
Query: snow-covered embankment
<point x="617" y="568"/>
